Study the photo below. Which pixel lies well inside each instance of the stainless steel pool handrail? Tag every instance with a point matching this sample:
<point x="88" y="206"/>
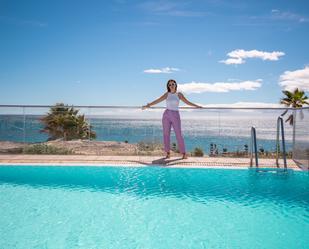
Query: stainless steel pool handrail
<point x="280" y="125"/>
<point x="253" y="144"/>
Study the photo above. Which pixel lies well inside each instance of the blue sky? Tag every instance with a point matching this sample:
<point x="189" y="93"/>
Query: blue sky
<point x="123" y="52"/>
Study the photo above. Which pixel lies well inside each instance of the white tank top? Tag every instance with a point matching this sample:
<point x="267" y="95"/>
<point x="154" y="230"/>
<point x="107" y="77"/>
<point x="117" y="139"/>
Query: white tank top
<point x="172" y="101"/>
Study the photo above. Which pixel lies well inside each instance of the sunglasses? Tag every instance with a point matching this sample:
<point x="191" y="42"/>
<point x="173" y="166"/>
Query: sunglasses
<point x="172" y="84"/>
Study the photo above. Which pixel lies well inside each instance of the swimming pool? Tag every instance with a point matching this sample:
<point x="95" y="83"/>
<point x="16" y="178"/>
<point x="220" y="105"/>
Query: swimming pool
<point x="152" y="207"/>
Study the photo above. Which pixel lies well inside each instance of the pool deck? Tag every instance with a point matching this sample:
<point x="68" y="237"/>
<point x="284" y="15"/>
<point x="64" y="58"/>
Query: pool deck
<point x="195" y="162"/>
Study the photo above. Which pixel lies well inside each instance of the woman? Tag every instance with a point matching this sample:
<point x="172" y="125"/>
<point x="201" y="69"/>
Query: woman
<point x="171" y="116"/>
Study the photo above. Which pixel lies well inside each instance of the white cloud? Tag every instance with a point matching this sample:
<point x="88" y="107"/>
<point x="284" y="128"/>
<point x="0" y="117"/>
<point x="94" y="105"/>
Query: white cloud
<point x="23" y="22"/>
<point x="158" y="6"/>
<point x="232" y="79"/>
<point x="288" y="16"/>
<point x="184" y="13"/>
<point x="171" y="8"/>
<point x="234" y="61"/>
<point x="238" y="56"/>
<point x="162" y="70"/>
<point x="197" y="87"/>
<point x="290" y="80"/>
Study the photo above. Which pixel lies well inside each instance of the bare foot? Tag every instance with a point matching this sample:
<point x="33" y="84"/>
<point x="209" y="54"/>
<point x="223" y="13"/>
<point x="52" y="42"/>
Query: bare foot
<point x="184" y="156"/>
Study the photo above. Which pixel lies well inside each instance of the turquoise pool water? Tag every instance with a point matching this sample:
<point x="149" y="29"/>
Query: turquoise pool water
<point x="152" y="207"/>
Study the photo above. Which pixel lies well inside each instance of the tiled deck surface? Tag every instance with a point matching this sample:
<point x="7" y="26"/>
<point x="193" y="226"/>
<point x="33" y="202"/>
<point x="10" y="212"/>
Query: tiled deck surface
<point x="199" y="162"/>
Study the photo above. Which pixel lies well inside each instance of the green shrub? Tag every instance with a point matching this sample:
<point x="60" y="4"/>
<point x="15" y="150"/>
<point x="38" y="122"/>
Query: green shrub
<point x="64" y="122"/>
<point x="149" y="146"/>
<point x="246" y="148"/>
<point x="46" y="149"/>
<point x="198" y="152"/>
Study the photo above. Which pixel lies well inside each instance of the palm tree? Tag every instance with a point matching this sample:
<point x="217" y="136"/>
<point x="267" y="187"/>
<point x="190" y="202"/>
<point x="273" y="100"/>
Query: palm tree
<point x="64" y="122"/>
<point x="294" y="99"/>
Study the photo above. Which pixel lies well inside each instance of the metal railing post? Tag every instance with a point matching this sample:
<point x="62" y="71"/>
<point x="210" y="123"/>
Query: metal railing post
<point x="294" y="130"/>
<point x="24" y="126"/>
<point x="277" y="143"/>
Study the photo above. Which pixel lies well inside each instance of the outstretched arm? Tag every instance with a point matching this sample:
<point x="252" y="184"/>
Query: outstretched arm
<point x="158" y="100"/>
<point x="183" y="98"/>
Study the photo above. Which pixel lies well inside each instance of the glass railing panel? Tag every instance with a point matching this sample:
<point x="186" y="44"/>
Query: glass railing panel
<point x="301" y="139"/>
<point x="201" y="130"/>
<point x="137" y="131"/>
<point x="226" y="132"/>
<point x="265" y="122"/>
<point x="12" y="127"/>
<point x="33" y="125"/>
<point x="59" y="134"/>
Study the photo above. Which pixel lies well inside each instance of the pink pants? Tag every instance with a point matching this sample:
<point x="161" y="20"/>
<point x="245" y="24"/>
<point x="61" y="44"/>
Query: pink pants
<point x="172" y="118"/>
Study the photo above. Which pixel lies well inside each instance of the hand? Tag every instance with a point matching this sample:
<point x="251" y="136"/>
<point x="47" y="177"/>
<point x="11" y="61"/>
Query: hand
<point x="145" y="106"/>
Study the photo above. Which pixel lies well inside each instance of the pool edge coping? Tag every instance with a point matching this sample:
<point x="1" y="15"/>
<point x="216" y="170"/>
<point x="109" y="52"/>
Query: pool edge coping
<point x="140" y="166"/>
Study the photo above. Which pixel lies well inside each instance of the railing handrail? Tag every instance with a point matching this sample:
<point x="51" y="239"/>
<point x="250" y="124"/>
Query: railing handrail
<point x="253" y="144"/>
<point x="280" y="125"/>
<point x="159" y="107"/>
